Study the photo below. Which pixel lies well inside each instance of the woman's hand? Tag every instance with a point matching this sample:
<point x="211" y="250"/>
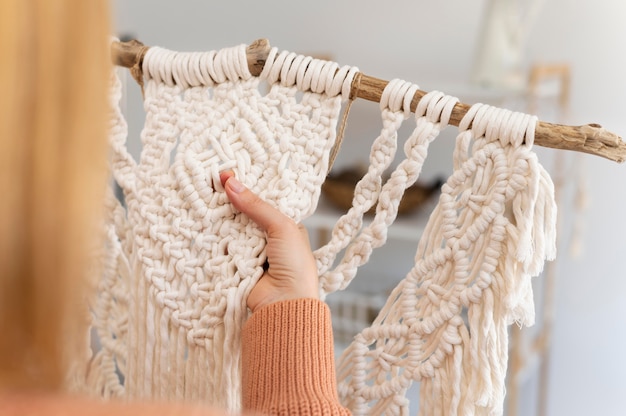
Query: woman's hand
<point x="292" y="272"/>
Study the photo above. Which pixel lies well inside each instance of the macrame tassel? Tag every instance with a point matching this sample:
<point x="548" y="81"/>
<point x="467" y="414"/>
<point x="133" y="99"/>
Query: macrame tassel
<point x="183" y="260"/>
<point x="445" y="325"/>
<point x="109" y="301"/>
<point x="390" y="365"/>
<point x="186" y="258"/>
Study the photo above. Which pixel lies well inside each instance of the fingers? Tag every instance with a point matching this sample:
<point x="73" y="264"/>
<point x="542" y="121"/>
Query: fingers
<point x="266" y="216"/>
<point x="303" y="231"/>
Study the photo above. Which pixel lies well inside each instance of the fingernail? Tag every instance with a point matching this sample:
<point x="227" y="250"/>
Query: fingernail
<point x="235" y="185"/>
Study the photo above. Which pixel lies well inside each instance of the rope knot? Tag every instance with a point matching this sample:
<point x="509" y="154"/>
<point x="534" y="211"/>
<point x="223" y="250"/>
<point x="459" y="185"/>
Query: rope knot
<point x="398" y="95"/>
<point x="193" y="69"/>
<point x="308" y="73"/>
<point x="498" y="124"/>
<point x="437" y="107"/>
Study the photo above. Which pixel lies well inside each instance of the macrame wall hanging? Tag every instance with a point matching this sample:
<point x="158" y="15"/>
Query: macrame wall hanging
<point x="180" y="261"/>
<point x="186" y="259"/>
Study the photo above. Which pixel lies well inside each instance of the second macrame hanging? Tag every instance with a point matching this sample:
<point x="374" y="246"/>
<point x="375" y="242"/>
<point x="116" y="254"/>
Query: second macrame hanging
<point x="180" y="260"/>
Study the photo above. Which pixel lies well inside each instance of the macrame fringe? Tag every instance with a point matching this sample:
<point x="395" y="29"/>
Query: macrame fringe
<point x="445" y="325"/>
<point x="171" y="299"/>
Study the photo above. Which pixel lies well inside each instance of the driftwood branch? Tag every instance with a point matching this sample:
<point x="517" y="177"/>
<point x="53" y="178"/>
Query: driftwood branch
<point x="590" y="138"/>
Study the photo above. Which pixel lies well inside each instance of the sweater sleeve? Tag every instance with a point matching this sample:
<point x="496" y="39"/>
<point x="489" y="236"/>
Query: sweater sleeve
<point x="288" y="360"/>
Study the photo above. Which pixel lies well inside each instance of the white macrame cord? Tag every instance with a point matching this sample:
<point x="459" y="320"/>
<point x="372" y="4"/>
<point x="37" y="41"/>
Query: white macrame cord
<point x="445" y="324"/>
<point x="180" y="260"/>
<point x="184" y="260"/>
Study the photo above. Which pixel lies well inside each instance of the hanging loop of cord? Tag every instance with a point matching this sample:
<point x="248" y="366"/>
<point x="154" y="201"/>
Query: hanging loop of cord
<point x="509" y="127"/>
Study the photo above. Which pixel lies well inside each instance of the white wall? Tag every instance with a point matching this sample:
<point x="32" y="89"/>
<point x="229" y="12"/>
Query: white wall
<point x="432" y="43"/>
<point x="589" y="358"/>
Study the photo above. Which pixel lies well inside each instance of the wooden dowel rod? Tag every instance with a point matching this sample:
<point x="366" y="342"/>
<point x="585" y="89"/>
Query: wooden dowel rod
<point x="589" y="138"/>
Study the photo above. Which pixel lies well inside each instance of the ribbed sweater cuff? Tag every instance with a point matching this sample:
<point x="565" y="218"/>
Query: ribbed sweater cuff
<point x="288" y="359"/>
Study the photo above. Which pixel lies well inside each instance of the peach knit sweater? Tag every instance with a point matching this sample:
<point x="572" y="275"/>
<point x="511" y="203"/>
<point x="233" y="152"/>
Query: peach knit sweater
<point x="288" y="360"/>
<point x="288" y="369"/>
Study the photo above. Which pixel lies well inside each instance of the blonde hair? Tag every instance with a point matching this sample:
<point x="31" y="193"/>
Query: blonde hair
<point x="53" y="110"/>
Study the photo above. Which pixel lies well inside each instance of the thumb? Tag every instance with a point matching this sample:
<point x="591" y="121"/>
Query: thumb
<point x="259" y="211"/>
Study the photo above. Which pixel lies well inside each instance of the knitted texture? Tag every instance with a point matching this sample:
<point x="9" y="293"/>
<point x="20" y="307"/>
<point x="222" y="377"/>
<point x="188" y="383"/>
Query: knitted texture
<point x="288" y="350"/>
<point x="181" y="261"/>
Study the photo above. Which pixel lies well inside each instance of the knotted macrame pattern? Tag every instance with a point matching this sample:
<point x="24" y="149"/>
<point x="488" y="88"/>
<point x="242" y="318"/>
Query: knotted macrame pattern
<point x="180" y="260"/>
<point x="445" y="324"/>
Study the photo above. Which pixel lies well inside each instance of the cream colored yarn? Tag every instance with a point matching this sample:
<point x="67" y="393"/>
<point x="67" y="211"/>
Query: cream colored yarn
<point x="445" y="324"/>
<point x="180" y="260"/>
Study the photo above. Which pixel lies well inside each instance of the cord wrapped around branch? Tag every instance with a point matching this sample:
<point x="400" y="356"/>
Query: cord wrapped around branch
<point x="590" y="138"/>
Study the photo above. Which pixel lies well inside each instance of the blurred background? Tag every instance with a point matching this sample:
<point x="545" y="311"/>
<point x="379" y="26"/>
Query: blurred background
<point x="480" y="51"/>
